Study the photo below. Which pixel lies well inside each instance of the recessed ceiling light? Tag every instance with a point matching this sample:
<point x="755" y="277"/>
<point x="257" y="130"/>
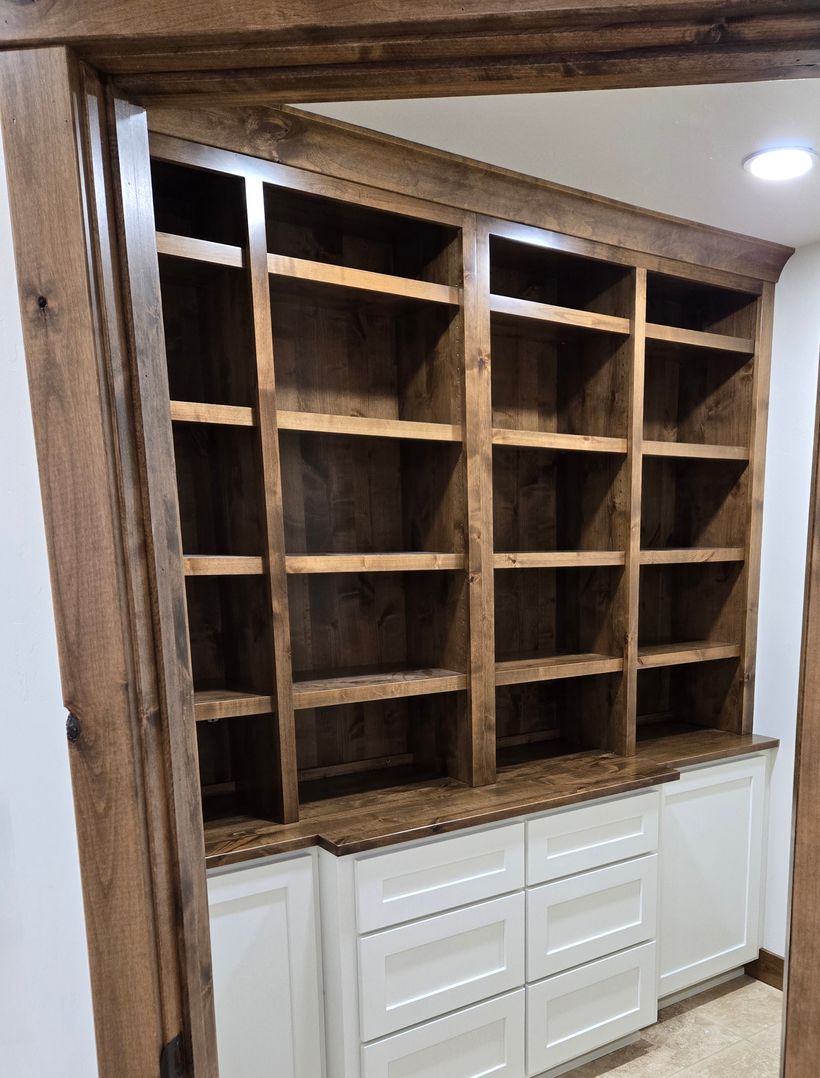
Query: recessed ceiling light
<point x="782" y="163"/>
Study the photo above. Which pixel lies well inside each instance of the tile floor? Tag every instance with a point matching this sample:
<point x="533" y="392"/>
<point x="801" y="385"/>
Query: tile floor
<point x="732" y="1031"/>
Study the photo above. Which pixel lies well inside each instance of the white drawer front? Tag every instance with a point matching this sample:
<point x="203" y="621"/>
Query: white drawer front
<point x="578" y="839"/>
<point x="425" y="969"/>
<point x="406" y="884"/>
<point x="584" y="917"/>
<point x="587" y="1008"/>
<point x="484" y="1040"/>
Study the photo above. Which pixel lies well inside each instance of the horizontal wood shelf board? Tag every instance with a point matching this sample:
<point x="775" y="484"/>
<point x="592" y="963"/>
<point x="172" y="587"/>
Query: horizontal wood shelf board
<point x="222" y="565"/>
<point x="559" y="316"/>
<point x="359" y="822"/>
<point x="695" y="450"/>
<point x="696" y="651"/>
<point x="699" y="339"/>
<point x="554" y="667"/>
<point x="699" y="746"/>
<point x="229" y="415"/>
<point x="383" y="284"/>
<point x="558" y="559"/>
<point x="536" y="439"/>
<point x="359" y="688"/>
<point x="226" y="704"/>
<point x="218" y="254"/>
<point x="320" y="423"/>
<point x="372" y="563"/>
<point x="355" y="767"/>
<point x="692" y="555"/>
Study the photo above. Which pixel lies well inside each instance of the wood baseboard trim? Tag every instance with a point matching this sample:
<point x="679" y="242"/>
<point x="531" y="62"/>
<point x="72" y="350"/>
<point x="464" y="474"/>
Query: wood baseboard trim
<point x="768" y="968"/>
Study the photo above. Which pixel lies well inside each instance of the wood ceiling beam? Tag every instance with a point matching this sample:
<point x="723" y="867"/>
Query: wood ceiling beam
<point x="309" y="50"/>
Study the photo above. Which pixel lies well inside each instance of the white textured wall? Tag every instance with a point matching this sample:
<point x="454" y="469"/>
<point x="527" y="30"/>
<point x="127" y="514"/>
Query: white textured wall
<point x="785" y="526"/>
<point x="46" y="1027"/>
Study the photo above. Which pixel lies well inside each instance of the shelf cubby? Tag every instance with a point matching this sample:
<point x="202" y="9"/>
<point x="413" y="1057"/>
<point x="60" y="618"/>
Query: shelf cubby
<point x="377" y="744"/>
<point x="220" y="490"/>
<point x="548" y="719"/>
<point x="357" y="637"/>
<point x="546" y="276"/>
<point x="306" y="226"/>
<point x="702" y="309"/>
<point x="693" y="503"/>
<point x="198" y="204"/>
<point x="547" y="500"/>
<point x="549" y="381"/>
<point x="338" y="354"/>
<point x="552" y="624"/>
<point x="349" y="495"/>
<point x="701" y="397"/>
<point x="678" y="699"/>
<point x="690" y="613"/>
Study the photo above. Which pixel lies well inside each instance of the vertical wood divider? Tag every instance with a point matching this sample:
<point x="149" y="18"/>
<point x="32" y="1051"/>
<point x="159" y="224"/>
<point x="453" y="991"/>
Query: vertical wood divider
<point x="274" y="522"/>
<point x="754" y="519"/>
<point x="480" y="769"/>
<point x="624" y="738"/>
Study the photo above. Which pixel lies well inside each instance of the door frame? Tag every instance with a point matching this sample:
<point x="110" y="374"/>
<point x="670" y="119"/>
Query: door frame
<point x="73" y="149"/>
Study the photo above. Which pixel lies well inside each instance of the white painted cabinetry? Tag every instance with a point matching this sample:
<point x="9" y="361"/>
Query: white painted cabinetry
<point x="712" y="856"/>
<point x="267" y="992"/>
<point x="510" y="949"/>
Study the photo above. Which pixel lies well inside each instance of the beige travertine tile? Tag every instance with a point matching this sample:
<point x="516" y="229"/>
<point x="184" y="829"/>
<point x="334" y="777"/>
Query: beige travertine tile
<point x="741" y="1059"/>
<point x="732" y="1030"/>
<point x="743" y="1006"/>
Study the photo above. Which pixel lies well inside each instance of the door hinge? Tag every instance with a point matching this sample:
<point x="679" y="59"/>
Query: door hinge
<point x="172" y="1059"/>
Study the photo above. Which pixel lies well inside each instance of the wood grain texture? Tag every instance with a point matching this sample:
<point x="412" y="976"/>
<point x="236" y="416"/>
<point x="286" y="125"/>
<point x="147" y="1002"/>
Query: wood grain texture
<point x="55" y="128"/>
<point x="558" y="316"/>
<point x="768" y="968"/>
<point x="692" y="554"/>
<point x="227" y="704"/>
<point x="371" y="563"/>
<point x="367" y="821"/>
<point x="350" y="153"/>
<point x="559" y="559"/>
<point x="363" y="427"/>
<point x="384" y="284"/>
<point x="801" y="1033"/>
<point x="230" y="415"/>
<point x="699" y="339"/>
<point x="695" y="651"/>
<point x="554" y="667"/>
<point x="223" y="565"/>
<point x="359" y="688"/>
<point x="695" y="450"/>
<point x="218" y="254"/>
<point x="693" y="747"/>
<point x="547" y="440"/>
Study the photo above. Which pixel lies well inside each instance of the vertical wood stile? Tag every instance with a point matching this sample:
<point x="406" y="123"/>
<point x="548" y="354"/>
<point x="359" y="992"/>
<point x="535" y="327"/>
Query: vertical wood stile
<point x="624" y="738"/>
<point x="285" y="731"/>
<point x="141" y="286"/>
<point x="754" y="510"/>
<point x="479" y="769"/>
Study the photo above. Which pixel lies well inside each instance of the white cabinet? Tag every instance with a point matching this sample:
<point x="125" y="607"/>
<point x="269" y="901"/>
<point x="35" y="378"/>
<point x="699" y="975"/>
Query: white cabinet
<point x="583" y="917"/>
<point x="487" y="1039"/>
<point x="586" y="1008"/>
<point x="576" y="839"/>
<point x="712" y="844"/>
<point x="417" y="881"/>
<point x="266" y="972"/>
<point x="430" y="967"/>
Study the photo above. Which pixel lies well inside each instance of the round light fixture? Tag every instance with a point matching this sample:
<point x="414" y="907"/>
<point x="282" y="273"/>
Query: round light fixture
<point x="781" y="163"/>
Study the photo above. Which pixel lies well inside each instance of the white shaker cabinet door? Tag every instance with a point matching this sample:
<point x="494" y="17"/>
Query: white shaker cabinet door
<point x="712" y="842"/>
<point x="266" y="972"/>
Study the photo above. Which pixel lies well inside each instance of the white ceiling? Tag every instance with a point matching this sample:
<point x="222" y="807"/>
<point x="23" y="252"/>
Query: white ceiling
<point x="673" y="149"/>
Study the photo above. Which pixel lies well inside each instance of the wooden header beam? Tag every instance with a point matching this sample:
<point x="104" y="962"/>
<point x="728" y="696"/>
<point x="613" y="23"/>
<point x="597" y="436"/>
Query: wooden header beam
<point x="317" y="50"/>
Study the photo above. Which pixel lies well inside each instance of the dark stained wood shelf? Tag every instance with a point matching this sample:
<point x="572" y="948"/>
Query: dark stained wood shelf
<point x="380" y="685"/>
<point x="383" y="284"/>
<point x="361" y="426"/>
<point x="692" y="555"/>
<point x="694" y="338"/>
<point x="399" y="562"/>
<point x="228" y="415"/>
<point x="366" y="821"/>
<point x="536" y="439"/>
<point x="556" y="559"/>
<point x="692" y="651"/>
<point x="223" y="565"/>
<point x="695" y="450"/>
<point x="681" y="745"/>
<point x="558" y="316"/>
<point x="554" y="667"/>
<point x="228" y="703"/>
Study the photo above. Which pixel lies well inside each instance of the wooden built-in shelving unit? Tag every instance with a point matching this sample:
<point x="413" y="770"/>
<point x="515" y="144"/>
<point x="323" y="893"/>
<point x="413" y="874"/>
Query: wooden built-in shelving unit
<point x="454" y="494"/>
